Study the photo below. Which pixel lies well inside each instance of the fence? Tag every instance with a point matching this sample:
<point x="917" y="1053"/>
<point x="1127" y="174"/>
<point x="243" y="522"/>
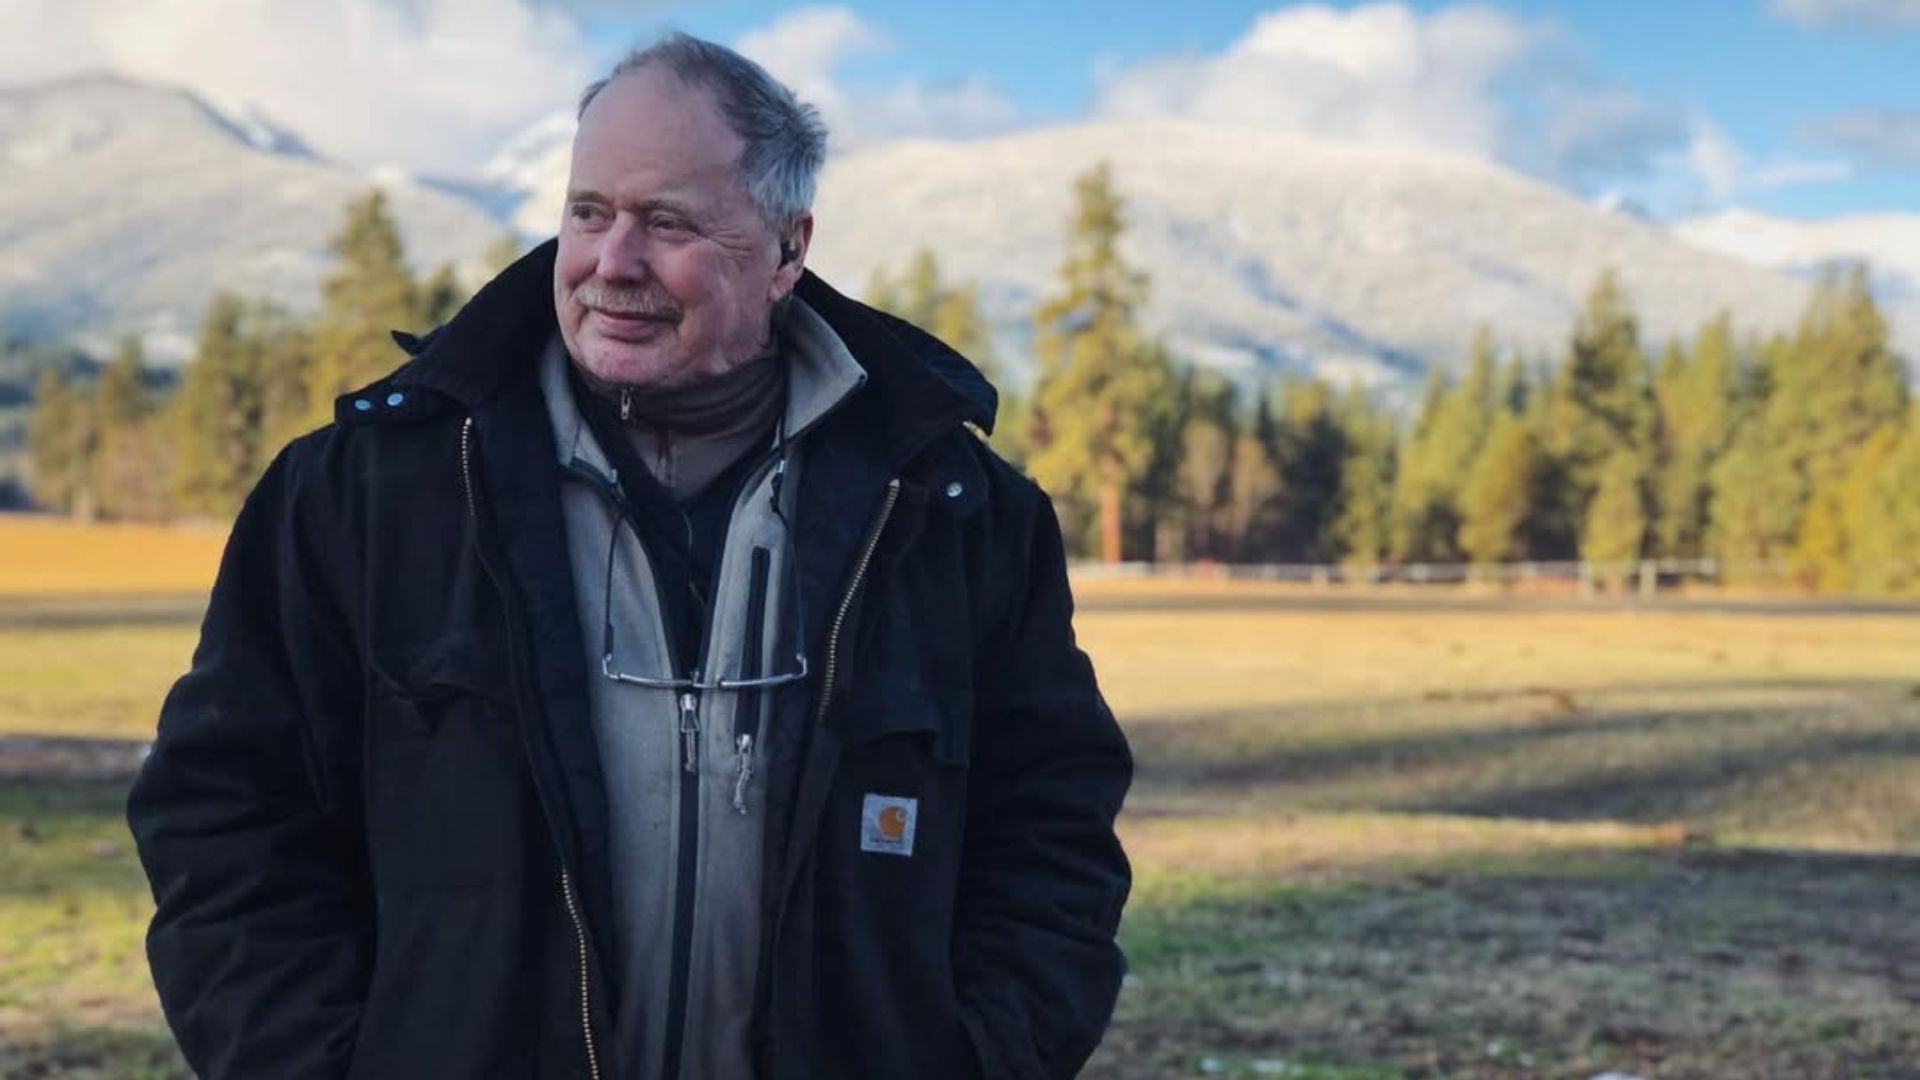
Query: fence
<point x="1644" y="577"/>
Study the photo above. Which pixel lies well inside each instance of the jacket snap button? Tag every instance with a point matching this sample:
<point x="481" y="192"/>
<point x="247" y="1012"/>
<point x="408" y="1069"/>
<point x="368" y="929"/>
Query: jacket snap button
<point x="955" y="489"/>
<point x="396" y="398"/>
<point x="362" y="404"/>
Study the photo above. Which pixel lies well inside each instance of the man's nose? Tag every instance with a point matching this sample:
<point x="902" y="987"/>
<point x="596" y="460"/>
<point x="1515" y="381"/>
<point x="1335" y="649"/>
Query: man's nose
<point x="623" y="251"/>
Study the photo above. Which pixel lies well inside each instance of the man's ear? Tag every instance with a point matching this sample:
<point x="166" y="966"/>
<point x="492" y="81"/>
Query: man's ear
<point x="793" y="256"/>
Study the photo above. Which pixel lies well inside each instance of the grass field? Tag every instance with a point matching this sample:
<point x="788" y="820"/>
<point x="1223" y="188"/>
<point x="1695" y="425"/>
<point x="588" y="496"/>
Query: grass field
<point x="1375" y="836"/>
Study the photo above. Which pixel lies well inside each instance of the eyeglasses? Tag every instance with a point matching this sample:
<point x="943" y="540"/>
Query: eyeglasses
<point x="789" y="595"/>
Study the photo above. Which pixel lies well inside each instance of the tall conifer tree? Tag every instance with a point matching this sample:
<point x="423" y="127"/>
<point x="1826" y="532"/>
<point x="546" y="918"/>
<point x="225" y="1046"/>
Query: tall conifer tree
<point x="370" y="293"/>
<point x="1099" y="375"/>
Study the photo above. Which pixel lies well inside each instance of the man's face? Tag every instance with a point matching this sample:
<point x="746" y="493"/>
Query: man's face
<point x="667" y="273"/>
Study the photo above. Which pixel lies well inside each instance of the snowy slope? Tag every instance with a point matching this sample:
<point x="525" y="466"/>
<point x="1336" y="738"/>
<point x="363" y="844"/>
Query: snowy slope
<point x="1889" y="245"/>
<point x="125" y="206"/>
<point x="530" y="172"/>
<point x="1268" y="249"/>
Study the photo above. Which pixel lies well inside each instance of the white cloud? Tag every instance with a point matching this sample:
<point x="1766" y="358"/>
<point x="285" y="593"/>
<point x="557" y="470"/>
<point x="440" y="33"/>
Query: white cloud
<point x="1716" y="160"/>
<point x="1874" y="138"/>
<point x="1376" y="74"/>
<point x="1835" y="12"/>
<point x="424" y="85"/>
<point x="1466" y="79"/>
<point x="805" y="49"/>
<point x="959" y="110"/>
<point x="808" y="48"/>
<point x="1794" y="172"/>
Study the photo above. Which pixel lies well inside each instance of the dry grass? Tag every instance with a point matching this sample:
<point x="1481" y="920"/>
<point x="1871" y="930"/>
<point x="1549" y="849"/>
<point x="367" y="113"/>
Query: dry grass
<point x="47" y="556"/>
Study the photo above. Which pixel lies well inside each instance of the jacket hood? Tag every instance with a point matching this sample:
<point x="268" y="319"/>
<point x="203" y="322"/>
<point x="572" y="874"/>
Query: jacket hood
<point x="917" y="386"/>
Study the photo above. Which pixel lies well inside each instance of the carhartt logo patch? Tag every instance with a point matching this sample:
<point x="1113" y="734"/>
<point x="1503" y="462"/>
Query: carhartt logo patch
<point x="886" y="824"/>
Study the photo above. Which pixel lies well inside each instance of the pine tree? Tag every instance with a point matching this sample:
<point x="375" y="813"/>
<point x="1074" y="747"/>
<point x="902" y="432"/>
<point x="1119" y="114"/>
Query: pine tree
<point x="61" y="444"/>
<point x="1750" y="527"/>
<point x="951" y="313"/>
<point x="959" y="321"/>
<point x="441" y="296"/>
<point x="882" y="293"/>
<point x="1600" y="403"/>
<point x="284" y="346"/>
<point x="1254" y="487"/>
<point x="370" y="294"/>
<point x="1830" y="389"/>
<point x="1497" y="499"/>
<point x="1099" y="376"/>
<point x="130" y="474"/>
<point x="1454" y="421"/>
<point x="1419" y="502"/>
<point x="1698" y="396"/>
<point x="920" y="289"/>
<point x="219" y="414"/>
<point x="1363" y="526"/>
<point x="1616" y="524"/>
<point x="1820" y="554"/>
<point x="1312" y="449"/>
<point x="1205" y="464"/>
<point x="1881" y="512"/>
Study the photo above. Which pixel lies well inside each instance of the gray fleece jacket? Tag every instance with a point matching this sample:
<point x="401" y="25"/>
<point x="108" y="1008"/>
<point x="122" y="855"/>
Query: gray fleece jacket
<point x="681" y="784"/>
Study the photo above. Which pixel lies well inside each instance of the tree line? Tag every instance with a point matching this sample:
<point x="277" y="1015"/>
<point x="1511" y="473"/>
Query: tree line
<point x="112" y="447"/>
<point x="1798" y="450"/>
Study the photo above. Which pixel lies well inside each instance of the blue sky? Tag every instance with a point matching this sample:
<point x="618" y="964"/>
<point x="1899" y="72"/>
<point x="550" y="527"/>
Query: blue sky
<point x="1800" y="107"/>
<point x="1768" y="77"/>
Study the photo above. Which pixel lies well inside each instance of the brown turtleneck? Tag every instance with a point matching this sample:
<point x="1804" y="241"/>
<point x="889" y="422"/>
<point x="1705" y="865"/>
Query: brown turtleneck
<point x="686" y="436"/>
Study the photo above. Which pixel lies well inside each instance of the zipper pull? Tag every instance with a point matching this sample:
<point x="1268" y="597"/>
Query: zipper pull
<point x="626" y="404"/>
<point x="744" y="744"/>
<point x="689" y="732"/>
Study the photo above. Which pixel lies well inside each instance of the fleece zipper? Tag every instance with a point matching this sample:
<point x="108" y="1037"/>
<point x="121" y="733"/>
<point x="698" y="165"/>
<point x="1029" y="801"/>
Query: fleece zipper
<point x="687" y="788"/>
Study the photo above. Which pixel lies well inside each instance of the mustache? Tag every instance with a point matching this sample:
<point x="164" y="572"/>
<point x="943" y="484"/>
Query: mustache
<point x="620" y="300"/>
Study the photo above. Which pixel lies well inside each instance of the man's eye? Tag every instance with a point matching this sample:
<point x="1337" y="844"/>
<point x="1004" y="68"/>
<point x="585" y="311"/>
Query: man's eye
<point x="585" y="213"/>
<point x="670" y="225"/>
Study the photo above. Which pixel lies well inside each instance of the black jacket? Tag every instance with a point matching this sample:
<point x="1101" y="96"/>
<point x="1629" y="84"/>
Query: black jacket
<point x="374" y="820"/>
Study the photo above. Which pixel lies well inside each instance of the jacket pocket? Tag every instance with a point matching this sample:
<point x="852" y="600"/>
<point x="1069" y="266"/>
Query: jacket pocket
<point x="447" y="780"/>
<point x="907" y="681"/>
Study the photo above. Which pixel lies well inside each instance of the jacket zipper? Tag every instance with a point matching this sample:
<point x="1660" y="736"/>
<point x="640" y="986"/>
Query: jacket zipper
<point x="566" y="878"/>
<point x="853" y="588"/>
<point x="580" y="936"/>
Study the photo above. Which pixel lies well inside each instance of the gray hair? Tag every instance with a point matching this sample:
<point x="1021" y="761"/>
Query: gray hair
<point x="786" y="142"/>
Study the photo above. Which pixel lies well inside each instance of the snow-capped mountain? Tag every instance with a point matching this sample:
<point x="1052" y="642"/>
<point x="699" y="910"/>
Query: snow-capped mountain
<point x="1888" y="244"/>
<point x="530" y="174"/>
<point x="1269" y="249"/>
<point x="124" y="207"/>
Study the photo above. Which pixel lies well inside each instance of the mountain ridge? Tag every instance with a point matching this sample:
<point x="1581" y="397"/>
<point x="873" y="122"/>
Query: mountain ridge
<point x="1267" y="251"/>
<point x="128" y="205"/>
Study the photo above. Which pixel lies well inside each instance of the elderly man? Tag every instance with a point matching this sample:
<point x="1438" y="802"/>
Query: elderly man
<point x="654" y="677"/>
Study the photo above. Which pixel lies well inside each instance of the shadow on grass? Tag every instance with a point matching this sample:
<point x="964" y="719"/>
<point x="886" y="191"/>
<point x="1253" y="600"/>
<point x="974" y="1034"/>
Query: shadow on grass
<point x="1683" y="965"/>
<point x="1545" y="754"/>
<point x="66" y="836"/>
<point x="79" y="611"/>
<point x="93" y="1053"/>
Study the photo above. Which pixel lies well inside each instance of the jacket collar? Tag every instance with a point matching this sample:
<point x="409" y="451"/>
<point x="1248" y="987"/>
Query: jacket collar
<point x="916" y="389"/>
